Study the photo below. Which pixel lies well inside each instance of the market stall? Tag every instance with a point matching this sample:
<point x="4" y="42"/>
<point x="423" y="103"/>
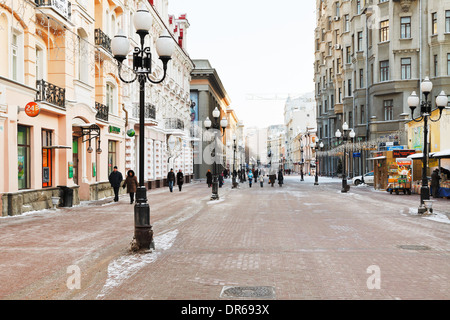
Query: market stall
<point x="400" y="176"/>
<point x="443" y="164"/>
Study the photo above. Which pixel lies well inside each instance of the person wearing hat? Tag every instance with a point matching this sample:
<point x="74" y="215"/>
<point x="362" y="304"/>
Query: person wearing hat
<point x="115" y="179"/>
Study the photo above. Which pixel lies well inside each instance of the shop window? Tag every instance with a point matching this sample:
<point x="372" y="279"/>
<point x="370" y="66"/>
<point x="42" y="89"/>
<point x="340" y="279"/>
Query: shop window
<point x="47" y="159"/>
<point x="23" y="156"/>
<point x="112" y="160"/>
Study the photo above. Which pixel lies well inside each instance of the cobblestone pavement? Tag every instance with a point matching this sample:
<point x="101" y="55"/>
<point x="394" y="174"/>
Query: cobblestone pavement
<point x="294" y="242"/>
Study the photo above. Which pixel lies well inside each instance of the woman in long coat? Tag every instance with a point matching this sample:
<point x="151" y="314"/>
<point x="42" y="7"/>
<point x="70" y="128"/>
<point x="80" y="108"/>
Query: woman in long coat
<point x="280" y="178"/>
<point x="131" y="183"/>
<point x="180" y="179"/>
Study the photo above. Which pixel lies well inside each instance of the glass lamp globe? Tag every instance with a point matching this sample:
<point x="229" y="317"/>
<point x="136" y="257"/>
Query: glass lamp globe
<point x="142" y="19"/>
<point x="165" y="45"/>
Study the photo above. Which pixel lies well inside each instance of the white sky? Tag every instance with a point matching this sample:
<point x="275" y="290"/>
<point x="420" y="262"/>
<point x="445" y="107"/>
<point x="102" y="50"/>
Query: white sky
<point x="257" y="47"/>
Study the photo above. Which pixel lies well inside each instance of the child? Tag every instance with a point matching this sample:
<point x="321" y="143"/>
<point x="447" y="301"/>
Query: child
<point x="261" y="180"/>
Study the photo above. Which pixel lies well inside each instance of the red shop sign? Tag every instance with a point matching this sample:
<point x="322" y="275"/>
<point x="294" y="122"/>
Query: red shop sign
<point x="32" y="109"/>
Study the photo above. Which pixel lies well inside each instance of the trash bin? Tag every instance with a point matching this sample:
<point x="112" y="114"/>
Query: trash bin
<point x="66" y="194"/>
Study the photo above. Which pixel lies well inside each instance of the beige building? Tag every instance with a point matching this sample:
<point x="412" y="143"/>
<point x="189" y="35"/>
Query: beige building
<point x="370" y="56"/>
<point x="57" y="54"/>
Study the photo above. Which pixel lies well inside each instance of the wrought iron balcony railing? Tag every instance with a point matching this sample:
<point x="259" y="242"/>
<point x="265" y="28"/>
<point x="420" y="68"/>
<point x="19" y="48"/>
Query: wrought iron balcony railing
<point x="50" y="93"/>
<point x="149" y="111"/>
<point x="174" y="124"/>
<point x="102" y="112"/>
<point x="64" y="7"/>
<point x="101" y="39"/>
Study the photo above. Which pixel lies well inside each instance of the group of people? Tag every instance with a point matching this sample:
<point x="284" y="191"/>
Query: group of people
<point x="255" y="176"/>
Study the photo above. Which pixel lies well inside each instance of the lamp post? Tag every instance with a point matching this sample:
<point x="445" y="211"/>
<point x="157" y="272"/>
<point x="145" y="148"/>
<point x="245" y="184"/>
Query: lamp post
<point x="234" y="183"/>
<point x="301" y="158"/>
<point x="217" y="125"/>
<point x="142" y="68"/>
<point x="316" y="145"/>
<point x="425" y="115"/>
<point x="346" y="135"/>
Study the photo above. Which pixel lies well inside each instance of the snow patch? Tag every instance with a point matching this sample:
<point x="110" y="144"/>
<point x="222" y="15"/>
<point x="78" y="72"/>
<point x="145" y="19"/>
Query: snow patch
<point x="125" y="267"/>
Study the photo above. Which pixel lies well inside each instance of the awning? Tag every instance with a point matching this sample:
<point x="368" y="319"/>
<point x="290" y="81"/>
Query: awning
<point x="442" y="154"/>
<point x="419" y="155"/>
<point x="377" y="158"/>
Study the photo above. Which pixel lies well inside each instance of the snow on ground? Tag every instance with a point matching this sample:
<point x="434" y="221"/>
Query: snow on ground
<point x="125" y="267"/>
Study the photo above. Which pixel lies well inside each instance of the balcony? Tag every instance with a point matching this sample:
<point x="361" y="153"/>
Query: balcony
<point x="48" y="92"/>
<point x="62" y="7"/>
<point x="149" y="114"/>
<point x="174" y="126"/>
<point x="102" y="112"/>
<point x="102" y="40"/>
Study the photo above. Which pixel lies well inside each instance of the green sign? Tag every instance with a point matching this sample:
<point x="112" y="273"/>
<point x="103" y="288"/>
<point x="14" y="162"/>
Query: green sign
<point x="70" y="169"/>
<point x="94" y="169"/>
<point x="114" y="129"/>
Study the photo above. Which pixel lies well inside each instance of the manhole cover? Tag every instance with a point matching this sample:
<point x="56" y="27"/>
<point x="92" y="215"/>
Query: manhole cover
<point x="248" y="292"/>
<point x="413" y="247"/>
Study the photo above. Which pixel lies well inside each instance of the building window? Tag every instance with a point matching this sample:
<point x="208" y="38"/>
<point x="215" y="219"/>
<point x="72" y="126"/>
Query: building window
<point x="112" y="160"/>
<point x="349" y="83"/>
<point x="338" y="65"/>
<point x="434" y="23"/>
<point x="348" y="54"/>
<point x="448" y="64"/>
<point x="384" y="70"/>
<point x="340" y="95"/>
<point x="111" y="99"/>
<point x="358" y="6"/>
<point x="384" y="31"/>
<point x="347" y="23"/>
<point x="360" y="41"/>
<point x="388" y="110"/>
<point x="350" y="118"/>
<point x="435" y="65"/>
<point x="447" y="21"/>
<point x="47" y="158"/>
<point x="405" y="28"/>
<point x="361" y="78"/>
<point x="362" y="119"/>
<point x="406" y="68"/>
<point x="23" y="156"/>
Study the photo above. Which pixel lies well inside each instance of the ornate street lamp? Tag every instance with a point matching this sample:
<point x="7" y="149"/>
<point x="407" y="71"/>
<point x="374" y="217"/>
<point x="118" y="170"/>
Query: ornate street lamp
<point x="142" y="68"/>
<point x="218" y="126"/>
<point x="425" y="114"/>
<point x="234" y="183"/>
<point x="346" y="135"/>
<point x="316" y="145"/>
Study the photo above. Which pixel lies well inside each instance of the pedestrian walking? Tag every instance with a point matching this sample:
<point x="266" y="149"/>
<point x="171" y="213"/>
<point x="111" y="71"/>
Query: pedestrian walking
<point x="280" y="178"/>
<point x="255" y="174"/>
<point x="180" y="179"/>
<point x="171" y="179"/>
<point x="250" y="178"/>
<point x="435" y="183"/>
<point x="115" y="179"/>
<point x="261" y="180"/>
<point x="131" y="183"/>
<point x="221" y="180"/>
<point x="209" y="178"/>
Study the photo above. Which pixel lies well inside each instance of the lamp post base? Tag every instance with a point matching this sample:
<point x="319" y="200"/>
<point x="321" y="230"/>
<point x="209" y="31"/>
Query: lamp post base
<point x="215" y="191"/>
<point x="234" y="183"/>
<point x="143" y="233"/>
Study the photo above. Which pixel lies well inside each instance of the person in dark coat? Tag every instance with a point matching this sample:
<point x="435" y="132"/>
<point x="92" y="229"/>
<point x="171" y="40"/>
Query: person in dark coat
<point x="115" y="179"/>
<point x="221" y="180"/>
<point x="280" y="178"/>
<point x="171" y="179"/>
<point x="435" y="183"/>
<point x="131" y="183"/>
<point x="180" y="179"/>
<point x="209" y="178"/>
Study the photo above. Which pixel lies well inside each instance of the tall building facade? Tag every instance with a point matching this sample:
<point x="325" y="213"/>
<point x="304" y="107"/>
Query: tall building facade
<point x="369" y="57"/>
<point x="64" y="112"/>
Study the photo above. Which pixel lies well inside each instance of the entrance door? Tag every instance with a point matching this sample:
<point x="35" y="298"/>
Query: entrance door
<point x="75" y="159"/>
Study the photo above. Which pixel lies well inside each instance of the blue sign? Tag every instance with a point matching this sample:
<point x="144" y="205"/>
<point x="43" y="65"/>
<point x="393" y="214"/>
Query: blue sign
<point x="390" y="148"/>
<point x="356" y="154"/>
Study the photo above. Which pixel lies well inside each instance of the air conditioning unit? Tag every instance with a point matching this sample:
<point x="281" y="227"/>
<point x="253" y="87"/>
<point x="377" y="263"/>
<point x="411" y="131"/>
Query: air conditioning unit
<point x="338" y="47"/>
<point x="336" y="18"/>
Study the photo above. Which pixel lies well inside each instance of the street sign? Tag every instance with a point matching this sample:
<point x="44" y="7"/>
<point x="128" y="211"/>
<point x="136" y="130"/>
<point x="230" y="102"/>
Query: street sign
<point x="356" y="154"/>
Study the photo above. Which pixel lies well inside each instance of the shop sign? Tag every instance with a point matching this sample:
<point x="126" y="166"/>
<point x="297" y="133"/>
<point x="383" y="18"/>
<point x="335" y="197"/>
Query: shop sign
<point x="70" y="169"/>
<point x="32" y="109"/>
<point x="395" y="148"/>
<point x="402" y="153"/>
<point x="356" y="154"/>
<point x="114" y="130"/>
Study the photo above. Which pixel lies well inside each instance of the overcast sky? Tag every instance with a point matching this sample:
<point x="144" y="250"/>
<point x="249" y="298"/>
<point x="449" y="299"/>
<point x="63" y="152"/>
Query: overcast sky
<point x="258" y="47"/>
